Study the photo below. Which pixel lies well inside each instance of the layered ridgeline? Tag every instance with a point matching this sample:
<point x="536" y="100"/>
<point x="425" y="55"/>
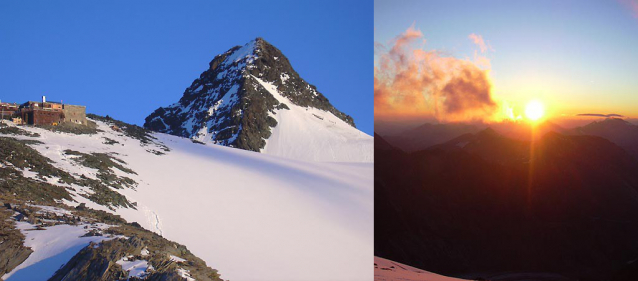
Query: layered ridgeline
<point x="251" y="98"/>
<point x="490" y="207"/>
<point x="115" y="201"/>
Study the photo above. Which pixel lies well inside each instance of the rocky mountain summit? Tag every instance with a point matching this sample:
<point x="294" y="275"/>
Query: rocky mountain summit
<point x="236" y="102"/>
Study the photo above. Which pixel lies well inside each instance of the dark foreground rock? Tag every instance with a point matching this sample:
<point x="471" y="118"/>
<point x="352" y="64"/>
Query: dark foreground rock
<point x="72" y="128"/>
<point x="99" y="261"/>
<point x="12" y="251"/>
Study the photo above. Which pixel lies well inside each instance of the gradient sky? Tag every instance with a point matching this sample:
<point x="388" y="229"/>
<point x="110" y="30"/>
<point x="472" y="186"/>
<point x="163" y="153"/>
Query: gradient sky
<point x="127" y="58"/>
<point x="574" y="56"/>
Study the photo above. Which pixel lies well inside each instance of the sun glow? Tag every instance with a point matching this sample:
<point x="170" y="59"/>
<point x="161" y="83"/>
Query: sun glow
<point x="534" y="110"/>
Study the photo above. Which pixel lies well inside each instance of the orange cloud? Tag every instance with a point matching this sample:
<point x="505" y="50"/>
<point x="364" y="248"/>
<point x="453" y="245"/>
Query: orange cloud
<point x="469" y="89"/>
<point x="412" y="81"/>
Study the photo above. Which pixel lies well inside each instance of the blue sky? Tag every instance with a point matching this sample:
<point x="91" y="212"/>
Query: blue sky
<point x="127" y="58"/>
<point x="578" y="56"/>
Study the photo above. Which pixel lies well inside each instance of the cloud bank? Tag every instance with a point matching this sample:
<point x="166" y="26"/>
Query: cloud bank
<point x="413" y="81"/>
<point x="600" y="115"/>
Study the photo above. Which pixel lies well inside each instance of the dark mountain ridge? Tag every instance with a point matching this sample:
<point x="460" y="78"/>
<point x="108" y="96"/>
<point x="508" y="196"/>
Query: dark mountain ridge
<point x="428" y="134"/>
<point x="617" y="130"/>
<point x="483" y="205"/>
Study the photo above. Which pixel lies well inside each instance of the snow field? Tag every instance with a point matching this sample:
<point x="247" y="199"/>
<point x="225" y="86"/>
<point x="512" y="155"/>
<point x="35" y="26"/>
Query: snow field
<point x="252" y="216"/>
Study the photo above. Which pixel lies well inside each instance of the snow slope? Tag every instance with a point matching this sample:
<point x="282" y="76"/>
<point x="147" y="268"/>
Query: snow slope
<point x="52" y="247"/>
<point x="387" y="270"/>
<point x="314" y="134"/>
<point x="252" y="216"/>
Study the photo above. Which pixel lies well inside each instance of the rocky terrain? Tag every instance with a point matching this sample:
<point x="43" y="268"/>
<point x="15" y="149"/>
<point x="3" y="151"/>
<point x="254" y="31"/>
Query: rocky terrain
<point x="101" y="260"/>
<point x="32" y="192"/>
<point x="114" y="201"/>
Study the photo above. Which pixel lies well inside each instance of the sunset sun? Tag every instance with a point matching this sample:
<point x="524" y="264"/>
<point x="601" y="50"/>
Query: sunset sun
<point x="534" y="110"/>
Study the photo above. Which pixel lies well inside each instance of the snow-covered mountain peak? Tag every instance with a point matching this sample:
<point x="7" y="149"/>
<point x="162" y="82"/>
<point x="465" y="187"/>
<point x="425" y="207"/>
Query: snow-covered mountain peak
<point x="243" y="54"/>
<point x="230" y="105"/>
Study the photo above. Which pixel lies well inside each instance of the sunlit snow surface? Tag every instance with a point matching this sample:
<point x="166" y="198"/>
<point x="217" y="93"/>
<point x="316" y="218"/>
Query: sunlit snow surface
<point x="135" y="268"/>
<point x="387" y="270"/>
<point x="52" y="247"/>
<point x="252" y="216"/>
<point x="314" y="134"/>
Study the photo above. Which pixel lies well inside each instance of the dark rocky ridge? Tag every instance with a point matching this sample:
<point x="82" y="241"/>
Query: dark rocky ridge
<point x="240" y="117"/>
<point x="17" y="154"/>
<point x="97" y="261"/>
<point x="12" y="250"/>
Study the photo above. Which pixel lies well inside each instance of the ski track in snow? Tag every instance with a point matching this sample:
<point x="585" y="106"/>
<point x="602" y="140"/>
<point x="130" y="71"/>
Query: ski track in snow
<point x="251" y="216"/>
<point x="157" y="223"/>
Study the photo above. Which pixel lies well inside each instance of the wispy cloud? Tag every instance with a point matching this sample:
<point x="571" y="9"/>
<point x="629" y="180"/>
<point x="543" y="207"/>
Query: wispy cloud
<point x="633" y="4"/>
<point x="600" y="115"/>
<point x="481" y="59"/>
<point x="411" y="80"/>
<point x="478" y="40"/>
